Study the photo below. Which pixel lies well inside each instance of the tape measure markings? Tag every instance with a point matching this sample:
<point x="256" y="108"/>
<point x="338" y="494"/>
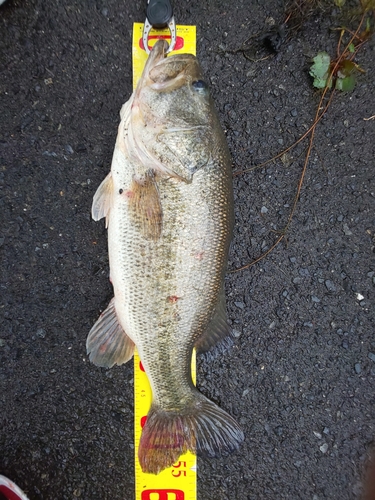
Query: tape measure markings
<point x="178" y="482"/>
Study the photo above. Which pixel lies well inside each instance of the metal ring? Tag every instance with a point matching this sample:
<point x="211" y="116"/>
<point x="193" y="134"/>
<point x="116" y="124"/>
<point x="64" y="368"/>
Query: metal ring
<point x="146" y="31"/>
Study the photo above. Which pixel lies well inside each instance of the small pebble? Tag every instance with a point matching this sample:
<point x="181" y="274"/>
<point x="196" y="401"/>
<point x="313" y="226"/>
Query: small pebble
<point x="357" y="368"/>
<point x="345" y="344"/>
<point x="324" y="448"/>
<point x="326" y="430"/>
<point x="2" y="342"/>
<point x="263" y="210"/>
<point x="303" y="271"/>
<point x="360" y="296"/>
<point x="346" y="229"/>
<point x="81" y="148"/>
<point x="241" y="305"/>
<point x="330" y="285"/>
<point x="41" y="333"/>
<point x="294" y="112"/>
<point x="371" y="355"/>
<point x="236" y="333"/>
<point x="317" y="434"/>
<point x="315" y="299"/>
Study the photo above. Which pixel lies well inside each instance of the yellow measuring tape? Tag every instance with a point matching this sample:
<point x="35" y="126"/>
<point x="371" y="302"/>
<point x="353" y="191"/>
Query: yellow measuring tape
<point x="178" y="482"/>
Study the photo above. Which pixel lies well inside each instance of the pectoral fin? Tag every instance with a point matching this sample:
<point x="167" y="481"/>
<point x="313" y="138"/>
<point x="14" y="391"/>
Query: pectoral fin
<point x="107" y="343"/>
<point x="145" y="205"/>
<point x="102" y="200"/>
<point x="218" y="331"/>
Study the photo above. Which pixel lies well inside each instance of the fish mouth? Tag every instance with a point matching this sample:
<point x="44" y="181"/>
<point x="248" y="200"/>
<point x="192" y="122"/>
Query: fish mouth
<point x="164" y="73"/>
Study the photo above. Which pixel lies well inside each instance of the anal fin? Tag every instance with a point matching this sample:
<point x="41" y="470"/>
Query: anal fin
<point x="107" y="343"/>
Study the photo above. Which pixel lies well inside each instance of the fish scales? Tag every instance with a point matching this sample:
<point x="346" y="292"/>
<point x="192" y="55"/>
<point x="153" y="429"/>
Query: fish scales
<point x="168" y="202"/>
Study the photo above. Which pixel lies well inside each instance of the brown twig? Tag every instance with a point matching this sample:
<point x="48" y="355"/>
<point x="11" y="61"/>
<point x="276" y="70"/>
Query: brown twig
<point x="285" y="150"/>
<point x="318" y="116"/>
<point x="299" y="186"/>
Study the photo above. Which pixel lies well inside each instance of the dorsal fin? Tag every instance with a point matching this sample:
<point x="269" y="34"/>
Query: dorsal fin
<point x="218" y="331"/>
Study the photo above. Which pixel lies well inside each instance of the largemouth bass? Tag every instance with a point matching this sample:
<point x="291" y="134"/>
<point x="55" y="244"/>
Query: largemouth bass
<point x="168" y="204"/>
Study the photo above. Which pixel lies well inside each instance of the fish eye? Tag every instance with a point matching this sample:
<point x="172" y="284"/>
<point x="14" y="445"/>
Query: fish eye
<point x="200" y="85"/>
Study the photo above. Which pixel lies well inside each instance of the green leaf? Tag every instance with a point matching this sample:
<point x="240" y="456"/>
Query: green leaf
<point x="351" y="48"/>
<point x="320" y="70"/>
<point x="346" y="84"/>
<point x="339" y="3"/>
<point x="321" y="65"/>
<point x="319" y="83"/>
<point x="346" y="68"/>
<point x="368" y="5"/>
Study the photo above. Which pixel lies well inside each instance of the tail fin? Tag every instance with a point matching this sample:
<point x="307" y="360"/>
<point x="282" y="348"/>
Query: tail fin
<point x="201" y="427"/>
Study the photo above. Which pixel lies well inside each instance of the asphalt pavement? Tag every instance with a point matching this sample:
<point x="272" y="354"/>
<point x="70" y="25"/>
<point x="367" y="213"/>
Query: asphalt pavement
<point x="300" y="377"/>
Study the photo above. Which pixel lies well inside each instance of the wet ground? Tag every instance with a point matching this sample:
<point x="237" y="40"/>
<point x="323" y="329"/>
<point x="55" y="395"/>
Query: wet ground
<point x="300" y="378"/>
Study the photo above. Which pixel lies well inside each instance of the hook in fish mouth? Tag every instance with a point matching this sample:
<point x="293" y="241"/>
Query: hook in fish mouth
<point x="158" y="53"/>
<point x="166" y="73"/>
